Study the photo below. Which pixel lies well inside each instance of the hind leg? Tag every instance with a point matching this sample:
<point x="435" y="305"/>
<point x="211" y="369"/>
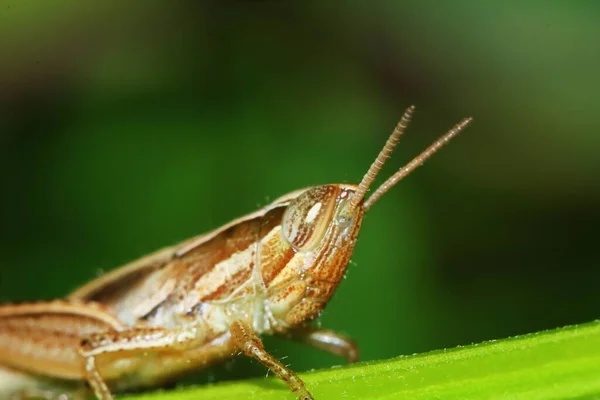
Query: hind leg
<point x="40" y="394"/>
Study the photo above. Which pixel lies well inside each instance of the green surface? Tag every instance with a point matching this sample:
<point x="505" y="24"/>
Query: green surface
<point x="559" y="364"/>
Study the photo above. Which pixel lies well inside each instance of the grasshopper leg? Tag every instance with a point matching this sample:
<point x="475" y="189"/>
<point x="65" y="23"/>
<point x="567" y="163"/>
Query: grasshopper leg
<point x="28" y="394"/>
<point x="36" y="394"/>
<point x="134" y="340"/>
<point x="250" y="344"/>
<point x="95" y="380"/>
<point x="327" y="340"/>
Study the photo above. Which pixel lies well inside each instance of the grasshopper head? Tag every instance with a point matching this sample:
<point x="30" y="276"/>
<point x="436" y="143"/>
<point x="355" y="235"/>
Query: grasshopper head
<point x="318" y="212"/>
<point x="321" y="225"/>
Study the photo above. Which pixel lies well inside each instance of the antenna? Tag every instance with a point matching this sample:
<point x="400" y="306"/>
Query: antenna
<point x="411" y="166"/>
<point x="384" y="154"/>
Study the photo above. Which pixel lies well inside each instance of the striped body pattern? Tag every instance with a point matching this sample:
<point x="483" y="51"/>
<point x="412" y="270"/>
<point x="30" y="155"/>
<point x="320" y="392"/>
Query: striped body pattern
<point x="193" y="304"/>
<point x="250" y="267"/>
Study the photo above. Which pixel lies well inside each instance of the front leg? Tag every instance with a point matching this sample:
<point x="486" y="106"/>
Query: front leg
<point x="250" y="344"/>
<point x="133" y="340"/>
<point x="326" y="340"/>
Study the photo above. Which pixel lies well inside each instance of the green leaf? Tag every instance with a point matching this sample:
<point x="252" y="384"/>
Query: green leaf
<point x="558" y="364"/>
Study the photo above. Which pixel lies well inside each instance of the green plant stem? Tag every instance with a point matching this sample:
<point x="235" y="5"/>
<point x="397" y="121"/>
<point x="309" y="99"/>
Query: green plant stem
<point x="558" y="364"/>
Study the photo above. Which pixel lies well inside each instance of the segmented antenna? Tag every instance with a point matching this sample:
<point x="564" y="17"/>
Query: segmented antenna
<point x="414" y="164"/>
<point x="384" y="154"/>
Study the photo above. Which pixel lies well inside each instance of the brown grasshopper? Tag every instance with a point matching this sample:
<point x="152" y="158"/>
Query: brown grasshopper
<point x="211" y="297"/>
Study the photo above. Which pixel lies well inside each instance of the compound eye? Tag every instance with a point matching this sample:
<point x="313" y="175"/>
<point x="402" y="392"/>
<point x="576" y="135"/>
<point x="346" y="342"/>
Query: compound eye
<point x="345" y="217"/>
<point x="306" y="219"/>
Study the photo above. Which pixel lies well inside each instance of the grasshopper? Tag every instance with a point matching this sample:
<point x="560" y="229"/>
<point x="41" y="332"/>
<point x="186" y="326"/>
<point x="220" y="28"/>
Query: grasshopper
<point x="201" y="301"/>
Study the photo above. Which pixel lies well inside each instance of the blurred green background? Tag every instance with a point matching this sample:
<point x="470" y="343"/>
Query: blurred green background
<point x="128" y="126"/>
